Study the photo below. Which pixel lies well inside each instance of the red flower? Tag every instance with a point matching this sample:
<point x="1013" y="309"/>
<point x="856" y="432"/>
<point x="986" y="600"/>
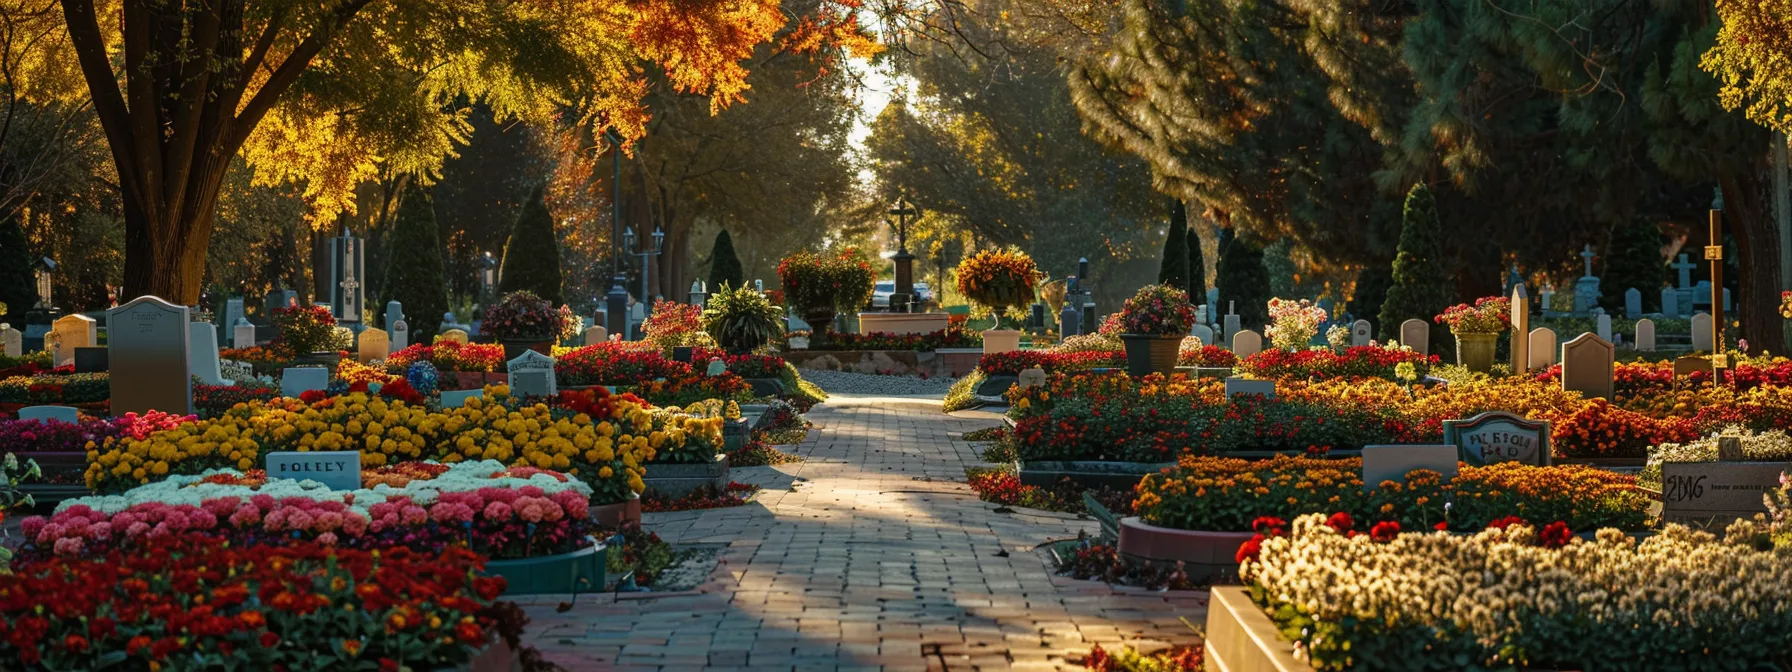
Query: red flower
<point x="1384" y="531"/>
<point x="75" y="643"/>
<point x="269" y="640"/>
<point x="1555" y="535"/>
<point x="1441" y="526"/>
<point x="1249" y="550"/>
<point x="136" y="644"/>
<point x="470" y="633"/>
<point x="1269" y="526"/>
<point x="1506" y="522"/>
<point x="1340" y="521"/>
<point x="388" y="665"/>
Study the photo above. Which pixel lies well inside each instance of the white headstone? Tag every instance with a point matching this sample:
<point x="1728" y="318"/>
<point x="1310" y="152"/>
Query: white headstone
<point x="1236" y="386"/>
<point x="1203" y="332"/>
<point x="1703" y="339"/>
<point x="1670" y="302"/>
<point x="456" y="335"/>
<point x="1360" y="333"/>
<point x="1246" y="343"/>
<point x="1392" y="463"/>
<point x="1498" y="436"/>
<point x="539" y="380"/>
<point x="1542" y="348"/>
<point x="63" y="414"/>
<point x="596" y="335"/>
<point x="73" y="331"/>
<point x="1521" y="328"/>
<point x="148" y="344"/>
<point x="1416" y="334"/>
<point x="372" y="344"/>
<point x="294" y="382"/>
<point x="12" y="342"/>
<point x="1604" y="327"/>
<point x="1587" y="366"/>
<point x="458" y="398"/>
<point x="637" y="312"/>
<point x="400" y="336"/>
<point x="242" y="336"/>
<point x="233" y="312"/>
<point x="202" y="353"/>
<point x="1645" y="335"/>
<point x="335" y="469"/>
<point x="1633" y="303"/>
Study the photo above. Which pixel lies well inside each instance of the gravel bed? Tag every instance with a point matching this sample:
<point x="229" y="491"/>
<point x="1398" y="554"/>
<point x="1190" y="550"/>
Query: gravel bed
<point x="865" y="383"/>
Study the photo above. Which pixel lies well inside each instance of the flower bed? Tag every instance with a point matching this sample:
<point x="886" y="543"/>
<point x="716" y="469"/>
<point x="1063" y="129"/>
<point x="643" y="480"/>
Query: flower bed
<point x="1356" y="362"/>
<point x="265" y="608"/>
<point x="1014" y="362"/>
<point x="950" y="337"/>
<point x="69" y="388"/>
<point x="211" y="401"/>
<point x="1227" y="495"/>
<point x="501" y="513"/>
<point x="449" y="357"/>
<point x="1520" y="597"/>
<point x="745" y="366"/>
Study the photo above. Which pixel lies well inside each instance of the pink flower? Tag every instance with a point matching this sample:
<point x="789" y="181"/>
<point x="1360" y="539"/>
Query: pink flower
<point x="414" y="515"/>
<point x="531" y="512"/>
<point x="327" y="538"/>
<point x="32" y="526"/>
<point x="69" y="546"/>
<point x="354" y="525"/>
<point x="245" y="515"/>
<point x="329" y="520"/>
<point x="100" y="531"/>
<point x="136" y="529"/>
<point x="497" y="512"/>
<point x="51" y="533"/>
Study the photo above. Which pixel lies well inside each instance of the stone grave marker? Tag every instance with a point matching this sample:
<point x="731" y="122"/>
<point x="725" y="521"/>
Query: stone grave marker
<point x="1604" y="326"/>
<point x="1703" y="339"/>
<point x="73" y="331"/>
<point x="1360" y="333"/>
<point x="531" y="373"/>
<point x="716" y="367"/>
<point x="596" y="335"/>
<point x="1633" y="303"/>
<point x="149" y="342"/>
<point x="1202" y="332"/>
<point x="1392" y="463"/>
<point x="242" y="335"/>
<point x="94" y="360"/>
<point x="1237" y="386"/>
<point x="1031" y="378"/>
<point x="1645" y="335"/>
<point x="1670" y="302"/>
<point x="1521" y="328"/>
<point x="400" y="338"/>
<point x="1587" y="366"/>
<point x="1247" y="343"/>
<point x="63" y="414"/>
<point x="202" y="354"/>
<point x="12" y="341"/>
<point x="1711" y="494"/>
<point x="233" y="312"/>
<point x="1230" y="328"/>
<point x="1542" y="347"/>
<point x="1416" y="334"/>
<point x="456" y="335"/>
<point x="297" y="381"/>
<point x="458" y="398"/>
<point x="1690" y="364"/>
<point x="335" y="469"/>
<point x="371" y="345"/>
<point x="1497" y="436"/>
<point x="394" y="313"/>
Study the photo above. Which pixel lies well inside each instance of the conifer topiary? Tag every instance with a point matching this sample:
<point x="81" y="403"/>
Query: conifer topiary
<point x="1633" y="259"/>
<point x="1197" y="262"/>
<point x="724" y="264"/>
<point x="414" y="267"/>
<point x="532" y="255"/>
<point x="1242" y="280"/>
<point x="1173" y="270"/>
<point x="1421" y="286"/>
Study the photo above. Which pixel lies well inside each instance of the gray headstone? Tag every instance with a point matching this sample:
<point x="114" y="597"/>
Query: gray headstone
<point x="294" y="382"/>
<point x="1236" y="386"/>
<point x="1587" y="366"/>
<point x="1521" y="328"/>
<point x="1069" y="321"/>
<point x="394" y="313"/>
<point x="1670" y="302"/>
<point x="1497" y="436"/>
<point x="63" y="414"/>
<point x="1645" y="335"/>
<point x="202" y="353"/>
<point x="542" y="384"/>
<point x="458" y="398"/>
<point x="372" y="345"/>
<point x="1031" y="378"/>
<point x="149" y="342"/>
<point x="1360" y="333"/>
<point x="1231" y="326"/>
<point x="233" y="312"/>
<point x="1633" y="303"/>
<point x="596" y="335"/>
<point x="277" y="299"/>
<point x="73" y="331"/>
<point x="1392" y="463"/>
<point x="1703" y="339"/>
<point x="1203" y="332"/>
<point x="1604" y="327"/>
<point x="242" y="336"/>
<point x="12" y="341"/>
<point x="1712" y="494"/>
<point x="335" y="469"/>
<point x="400" y="336"/>
<point x="1416" y="334"/>
<point x="1247" y="343"/>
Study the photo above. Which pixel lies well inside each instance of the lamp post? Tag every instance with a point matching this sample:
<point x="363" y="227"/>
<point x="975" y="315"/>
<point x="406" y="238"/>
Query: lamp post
<point x="487" y="277"/>
<point x="659" y="244"/>
<point x="616" y="301"/>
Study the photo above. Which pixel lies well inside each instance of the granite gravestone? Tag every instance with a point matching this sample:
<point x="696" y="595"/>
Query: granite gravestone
<point x="1587" y="366"/>
<point x="242" y="335"/>
<point x="1603" y="326"/>
<point x="335" y="469"/>
<point x="1230" y="328"/>
<point x="1497" y="436"/>
<point x="371" y="345"/>
<point x="1542" y="347"/>
<point x="149" y="343"/>
<point x="1237" y="386"/>
<point x="1247" y="343"/>
<point x="1202" y="333"/>
<point x="1521" y="328"/>
<point x="1360" y="333"/>
<point x="1702" y="338"/>
<point x="1393" y="463"/>
<point x="233" y="313"/>
<point x="297" y="381"/>
<point x="394" y="313"/>
<point x="400" y="337"/>
<point x="63" y="414"/>
<point x="531" y="373"/>
<point x="1633" y="303"/>
<point x="458" y="398"/>
<point x="1712" y="494"/>
<point x="73" y="331"/>
<point x="202" y="354"/>
<point x="1670" y="302"/>
<point x="1645" y="335"/>
<point x="1416" y="334"/>
<point x="12" y="341"/>
<point x="93" y="360"/>
<point x="595" y="335"/>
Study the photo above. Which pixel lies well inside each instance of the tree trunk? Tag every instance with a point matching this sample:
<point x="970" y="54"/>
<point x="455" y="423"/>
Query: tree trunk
<point x="1748" y="219"/>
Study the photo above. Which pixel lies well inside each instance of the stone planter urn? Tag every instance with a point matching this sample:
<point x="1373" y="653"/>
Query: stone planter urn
<point x="1475" y="351"/>
<point x="1149" y="353"/>
<point x="1000" y="340"/>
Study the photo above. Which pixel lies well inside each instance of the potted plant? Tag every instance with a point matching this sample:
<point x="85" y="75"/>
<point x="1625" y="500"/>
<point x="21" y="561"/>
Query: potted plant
<point x="1477" y="329"/>
<point x="309" y="333"/>
<point x="673" y="326"/>
<point x="742" y="320"/>
<point x="820" y="284"/>
<point x="1294" y="323"/>
<point x="522" y="321"/>
<point x="999" y="279"/>
<point x="1152" y="325"/>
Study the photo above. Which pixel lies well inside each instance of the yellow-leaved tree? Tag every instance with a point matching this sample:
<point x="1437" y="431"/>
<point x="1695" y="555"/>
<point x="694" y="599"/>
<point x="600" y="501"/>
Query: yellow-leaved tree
<point x="1753" y="59"/>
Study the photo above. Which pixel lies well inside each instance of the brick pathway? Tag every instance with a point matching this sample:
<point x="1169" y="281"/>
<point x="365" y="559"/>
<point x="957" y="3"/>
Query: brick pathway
<point x="872" y="554"/>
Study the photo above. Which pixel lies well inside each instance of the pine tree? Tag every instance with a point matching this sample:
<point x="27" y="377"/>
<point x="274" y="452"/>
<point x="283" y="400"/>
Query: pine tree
<point x="18" y="287"/>
<point x="532" y="255"/>
<point x="1421" y="286"/>
<point x="1242" y="280"/>
<point x="1371" y="291"/>
<point x="1633" y="259"/>
<point x="1197" y="263"/>
<point x="414" y="266"/>
<point x="1173" y="271"/>
<point x="724" y="264"/>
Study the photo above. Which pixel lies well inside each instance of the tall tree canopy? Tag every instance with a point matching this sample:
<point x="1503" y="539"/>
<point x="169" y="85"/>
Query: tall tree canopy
<point x="332" y="92"/>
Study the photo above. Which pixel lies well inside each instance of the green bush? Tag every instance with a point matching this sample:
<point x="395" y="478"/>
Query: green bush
<point x="741" y="319"/>
<point x="18" y="287"/>
<point x="724" y="265"/>
<point x="1197" y="263"/>
<point x="414" y="268"/>
<point x="532" y="255"/>
<point x="1242" y="279"/>
<point x="1421" y="286"/>
<point x="1633" y="259"/>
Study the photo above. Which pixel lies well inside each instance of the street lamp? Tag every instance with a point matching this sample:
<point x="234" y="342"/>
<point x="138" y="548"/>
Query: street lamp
<point x="659" y="244"/>
<point x="616" y="301"/>
<point x="487" y="276"/>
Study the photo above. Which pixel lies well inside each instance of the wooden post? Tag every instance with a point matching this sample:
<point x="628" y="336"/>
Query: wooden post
<point x="1714" y="253"/>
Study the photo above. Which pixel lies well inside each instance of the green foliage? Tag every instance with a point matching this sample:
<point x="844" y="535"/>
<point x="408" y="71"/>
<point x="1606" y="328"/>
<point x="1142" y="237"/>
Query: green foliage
<point x="1371" y="290"/>
<point x="963" y="394"/>
<point x="1633" y="259"/>
<point x="1422" y="284"/>
<point x="1242" y="280"/>
<point x="414" y="265"/>
<point x="18" y="287"/>
<point x="532" y="255"/>
<point x="724" y="265"/>
<point x="1174" y="269"/>
<point x="742" y="319"/>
